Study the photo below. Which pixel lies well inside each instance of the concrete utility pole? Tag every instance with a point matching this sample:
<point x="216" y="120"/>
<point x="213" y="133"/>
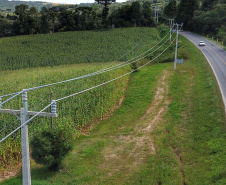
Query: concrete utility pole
<point x="156" y="18"/>
<point x="170" y="25"/>
<point x="175" y="60"/>
<point x="24" y="113"/>
<point x="155" y="13"/>
<point x="24" y="142"/>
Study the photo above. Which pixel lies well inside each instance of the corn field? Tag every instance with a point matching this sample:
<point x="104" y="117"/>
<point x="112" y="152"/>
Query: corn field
<point x="73" y="47"/>
<point x="46" y="59"/>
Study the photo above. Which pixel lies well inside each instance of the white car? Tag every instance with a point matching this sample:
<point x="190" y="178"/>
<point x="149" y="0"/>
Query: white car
<point x="202" y="43"/>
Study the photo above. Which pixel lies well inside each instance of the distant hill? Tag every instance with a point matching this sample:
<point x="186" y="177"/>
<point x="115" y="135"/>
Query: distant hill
<point x="10" y="5"/>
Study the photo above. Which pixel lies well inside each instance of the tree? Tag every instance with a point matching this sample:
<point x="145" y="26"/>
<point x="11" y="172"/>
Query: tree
<point x="21" y="9"/>
<point x="33" y="19"/>
<point x="209" y="22"/>
<point x="185" y="13"/>
<point x="171" y="9"/>
<point x="52" y="16"/>
<point x="23" y="19"/>
<point x="5" y="28"/>
<point x="147" y="14"/>
<point x="105" y="10"/>
<point x="121" y="17"/>
<point x="44" y="24"/>
<point x="208" y="4"/>
<point x="67" y="21"/>
<point x="87" y="18"/>
<point x="135" y="13"/>
<point x="132" y="15"/>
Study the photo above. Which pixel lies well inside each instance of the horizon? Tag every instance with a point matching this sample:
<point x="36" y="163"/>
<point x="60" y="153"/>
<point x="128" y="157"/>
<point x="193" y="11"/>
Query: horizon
<point x="68" y="1"/>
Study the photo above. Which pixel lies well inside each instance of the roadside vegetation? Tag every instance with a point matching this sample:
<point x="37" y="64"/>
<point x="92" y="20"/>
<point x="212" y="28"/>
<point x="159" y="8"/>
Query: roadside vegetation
<point x="169" y="129"/>
<point x="190" y="139"/>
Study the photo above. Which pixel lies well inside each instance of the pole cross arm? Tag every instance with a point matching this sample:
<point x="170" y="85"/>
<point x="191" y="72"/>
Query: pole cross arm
<point x="30" y="113"/>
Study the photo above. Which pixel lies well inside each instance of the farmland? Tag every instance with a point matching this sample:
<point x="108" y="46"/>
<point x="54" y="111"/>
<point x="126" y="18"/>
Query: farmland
<point x="75" y="112"/>
<point x="74" y="47"/>
<point x="66" y="55"/>
<point x="169" y="129"/>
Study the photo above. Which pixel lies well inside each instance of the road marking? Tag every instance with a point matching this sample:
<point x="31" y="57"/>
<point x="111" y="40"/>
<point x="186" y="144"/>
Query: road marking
<point x="218" y="56"/>
<point x="214" y="52"/>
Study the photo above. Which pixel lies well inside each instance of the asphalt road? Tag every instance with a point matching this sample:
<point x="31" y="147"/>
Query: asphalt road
<point x="216" y="58"/>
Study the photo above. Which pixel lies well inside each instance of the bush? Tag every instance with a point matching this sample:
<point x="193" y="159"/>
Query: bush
<point x="49" y="147"/>
<point x="133" y="66"/>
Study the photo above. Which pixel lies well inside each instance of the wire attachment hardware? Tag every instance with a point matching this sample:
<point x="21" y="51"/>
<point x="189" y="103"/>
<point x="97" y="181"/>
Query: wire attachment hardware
<point x="53" y="107"/>
<point x="24" y="95"/>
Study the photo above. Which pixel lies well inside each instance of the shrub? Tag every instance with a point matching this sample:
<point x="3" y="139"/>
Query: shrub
<point x="49" y="147"/>
<point x="133" y="67"/>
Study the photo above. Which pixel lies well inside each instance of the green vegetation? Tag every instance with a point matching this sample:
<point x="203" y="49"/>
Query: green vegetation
<point x="190" y="141"/>
<point x="49" y="147"/>
<point x="84" y="164"/>
<point x="28" y="20"/>
<point x="9" y="6"/>
<point x="77" y="112"/>
<point x="170" y="129"/>
<point x="209" y="19"/>
<point x="64" y="48"/>
<point x="205" y="17"/>
<point x="74" y="47"/>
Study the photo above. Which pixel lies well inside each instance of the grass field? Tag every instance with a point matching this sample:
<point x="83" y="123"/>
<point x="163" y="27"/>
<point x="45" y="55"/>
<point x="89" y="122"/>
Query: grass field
<point x="170" y="129"/>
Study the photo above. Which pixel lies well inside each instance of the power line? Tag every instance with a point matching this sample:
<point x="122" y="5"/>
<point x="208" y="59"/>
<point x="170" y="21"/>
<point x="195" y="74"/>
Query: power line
<point x="95" y="73"/>
<point x="15" y="95"/>
<point x="84" y="76"/>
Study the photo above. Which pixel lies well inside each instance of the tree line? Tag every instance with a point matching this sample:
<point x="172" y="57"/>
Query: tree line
<point x="206" y="17"/>
<point x="27" y="20"/>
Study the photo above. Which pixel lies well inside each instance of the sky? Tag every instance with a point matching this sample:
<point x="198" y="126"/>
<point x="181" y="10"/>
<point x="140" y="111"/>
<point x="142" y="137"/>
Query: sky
<point x="71" y="1"/>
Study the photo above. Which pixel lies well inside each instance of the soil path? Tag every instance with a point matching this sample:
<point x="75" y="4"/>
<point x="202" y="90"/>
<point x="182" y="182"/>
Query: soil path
<point x="133" y="149"/>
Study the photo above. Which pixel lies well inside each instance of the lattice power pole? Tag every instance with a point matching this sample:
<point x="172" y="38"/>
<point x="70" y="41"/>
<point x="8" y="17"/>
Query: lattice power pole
<point x="24" y="113"/>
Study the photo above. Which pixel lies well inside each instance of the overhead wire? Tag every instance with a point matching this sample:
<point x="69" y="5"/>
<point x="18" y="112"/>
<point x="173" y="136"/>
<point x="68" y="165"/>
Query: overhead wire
<point x="15" y="95"/>
<point x="84" y="76"/>
<point x="101" y="71"/>
<point x="82" y="92"/>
